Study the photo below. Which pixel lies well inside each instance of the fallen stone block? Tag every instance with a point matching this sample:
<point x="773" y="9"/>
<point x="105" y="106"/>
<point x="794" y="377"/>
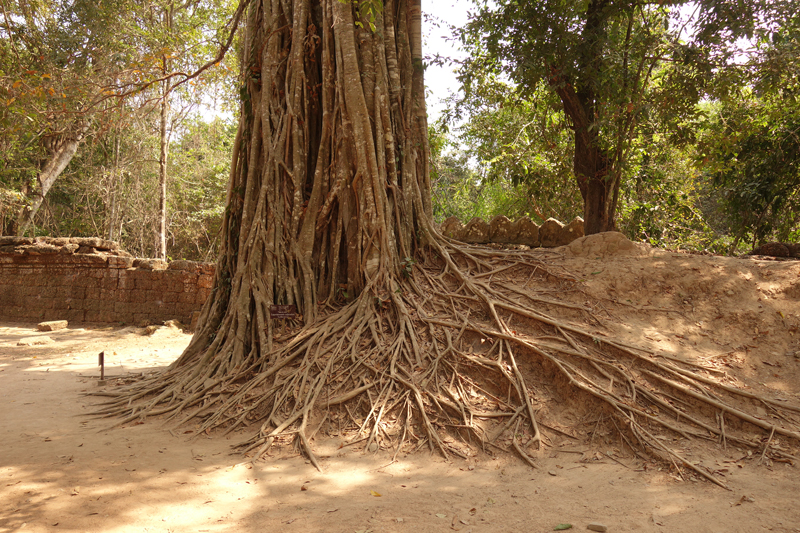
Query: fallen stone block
<point x="53" y="325"/>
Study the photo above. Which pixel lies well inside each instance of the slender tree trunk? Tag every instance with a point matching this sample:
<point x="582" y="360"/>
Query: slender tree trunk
<point x="112" y="190"/>
<point x="161" y="232"/>
<point x="51" y="171"/>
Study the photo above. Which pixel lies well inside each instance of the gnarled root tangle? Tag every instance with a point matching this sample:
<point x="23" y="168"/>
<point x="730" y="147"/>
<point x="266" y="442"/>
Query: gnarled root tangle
<point x="437" y="363"/>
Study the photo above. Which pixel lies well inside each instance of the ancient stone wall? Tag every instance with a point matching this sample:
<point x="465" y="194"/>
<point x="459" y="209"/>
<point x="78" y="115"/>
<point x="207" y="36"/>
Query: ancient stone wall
<point x="501" y="230"/>
<point x="92" y="280"/>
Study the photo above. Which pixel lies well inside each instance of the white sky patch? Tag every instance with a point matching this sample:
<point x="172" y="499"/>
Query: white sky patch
<point x="437" y="36"/>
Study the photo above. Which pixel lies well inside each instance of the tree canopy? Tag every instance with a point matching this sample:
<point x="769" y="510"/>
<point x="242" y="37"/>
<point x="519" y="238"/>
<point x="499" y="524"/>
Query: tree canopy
<point x="613" y="65"/>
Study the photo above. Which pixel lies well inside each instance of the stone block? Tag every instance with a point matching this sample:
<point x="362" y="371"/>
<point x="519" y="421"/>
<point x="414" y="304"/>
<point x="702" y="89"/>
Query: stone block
<point x="93" y="293"/>
<point x="150" y="264"/>
<point x="502" y="230"/>
<point x="572" y="231"/>
<point x="35" y="341"/>
<point x="69" y="249"/>
<point x="550" y="233"/>
<point x="107" y="295"/>
<point x="205" y="282"/>
<point x="186" y="298"/>
<point x="45" y="303"/>
<point x="77" y="293"/>
<point x="84" y="280"/>
<point x="452" y="228"/>
<point x="117" y="262"/>
<point x="183" y="265"/>
<point x="135" y="296"/>
<point x="142" y="283"/>
<point x="154" y="298"/>
<point x="527" y="232"/>
<point x="95" y="315"/>
<point x="54" y="325"/>
<point x="53" y="314"/>
<point x="15" y="241"/>
<point x="476" y="232"/>
<point x="77" y="303"/>
<point x="96" y="305"/>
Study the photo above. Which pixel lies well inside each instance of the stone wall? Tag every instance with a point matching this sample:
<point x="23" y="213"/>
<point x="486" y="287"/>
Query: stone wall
<point x="92" y="280"/>
<point x="501" y="230"/>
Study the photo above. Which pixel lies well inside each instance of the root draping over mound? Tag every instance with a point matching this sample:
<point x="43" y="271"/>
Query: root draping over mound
<point x="455" y="360"/>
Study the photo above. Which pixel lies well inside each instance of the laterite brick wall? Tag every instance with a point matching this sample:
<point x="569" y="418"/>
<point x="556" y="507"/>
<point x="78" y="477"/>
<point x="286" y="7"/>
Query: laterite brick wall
<point x="92" y="280"/>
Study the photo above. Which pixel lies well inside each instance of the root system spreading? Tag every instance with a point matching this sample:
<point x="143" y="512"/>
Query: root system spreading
<point x="407" y="339"/>
<point x="461" y="357"/>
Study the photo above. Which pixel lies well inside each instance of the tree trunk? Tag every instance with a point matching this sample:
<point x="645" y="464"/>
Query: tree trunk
<point x="52" y="170"/>
<point x="112" y="189"/>
<point x="597" y="179"/>
<point x="161" y="231"/>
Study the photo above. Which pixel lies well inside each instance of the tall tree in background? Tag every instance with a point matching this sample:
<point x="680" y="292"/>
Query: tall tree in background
<point x="599" y="58"/>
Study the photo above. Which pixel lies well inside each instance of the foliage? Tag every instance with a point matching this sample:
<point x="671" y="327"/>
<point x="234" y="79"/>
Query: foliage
<point x="614" y="66"/>
<point x="520" y="147"/>
<point x="96" y="64"/>
<point x="200" y="169"/>
<point x="102" y="195"/>
<point x="751" y="151"/>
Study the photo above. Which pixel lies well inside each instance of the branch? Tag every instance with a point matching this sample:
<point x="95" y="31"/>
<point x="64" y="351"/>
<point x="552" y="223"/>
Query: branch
<point x="223" y="50"/>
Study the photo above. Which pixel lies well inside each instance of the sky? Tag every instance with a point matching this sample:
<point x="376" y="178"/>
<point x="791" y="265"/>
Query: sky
<point x="441" y="80"/>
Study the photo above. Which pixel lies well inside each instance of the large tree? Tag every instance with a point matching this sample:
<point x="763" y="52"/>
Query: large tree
<point x="600" y="57"/>
<point x="404" y="337"/>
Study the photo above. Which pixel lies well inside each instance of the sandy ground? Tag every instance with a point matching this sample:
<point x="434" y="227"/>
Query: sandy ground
<point x="61" y="471"/>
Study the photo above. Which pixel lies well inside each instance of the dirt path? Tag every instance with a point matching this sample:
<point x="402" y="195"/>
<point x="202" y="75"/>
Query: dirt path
<point x="60" y="472"/>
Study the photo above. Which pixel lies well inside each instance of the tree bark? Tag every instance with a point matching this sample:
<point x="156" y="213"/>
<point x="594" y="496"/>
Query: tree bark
<point x="161" y="231"/>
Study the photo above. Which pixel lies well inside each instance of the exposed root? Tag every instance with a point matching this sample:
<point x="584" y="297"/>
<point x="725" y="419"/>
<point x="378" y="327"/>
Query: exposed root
<point x="438" y="363"/>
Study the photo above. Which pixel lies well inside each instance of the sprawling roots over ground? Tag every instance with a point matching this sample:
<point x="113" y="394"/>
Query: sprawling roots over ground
<point x="464" y="356"/>
<point x="407" y="339"/>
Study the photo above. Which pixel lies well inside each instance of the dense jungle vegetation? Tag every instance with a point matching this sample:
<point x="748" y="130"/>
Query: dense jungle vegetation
<point x="698" y="118"/>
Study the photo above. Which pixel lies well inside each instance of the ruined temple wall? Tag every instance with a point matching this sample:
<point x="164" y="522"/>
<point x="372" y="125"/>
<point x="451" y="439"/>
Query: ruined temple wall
<point x="501" y="230"/>
<point x="42" y="281"/>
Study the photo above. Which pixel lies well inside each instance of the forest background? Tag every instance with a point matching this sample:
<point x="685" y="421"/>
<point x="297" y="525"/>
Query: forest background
<point x="111" y="100"/>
